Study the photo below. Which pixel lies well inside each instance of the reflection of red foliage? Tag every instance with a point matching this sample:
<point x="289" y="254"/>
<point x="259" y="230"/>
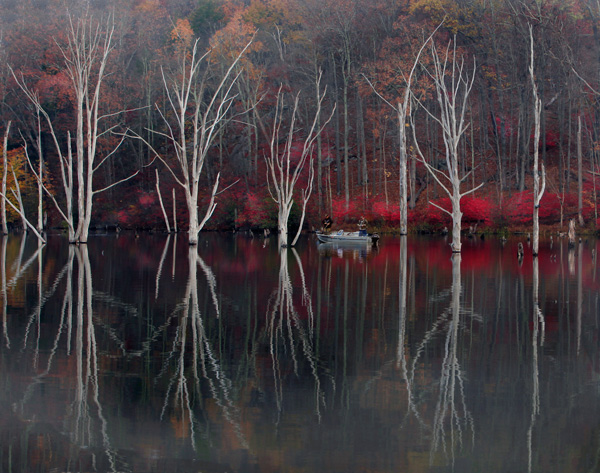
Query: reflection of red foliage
<point x="237" y="266"/>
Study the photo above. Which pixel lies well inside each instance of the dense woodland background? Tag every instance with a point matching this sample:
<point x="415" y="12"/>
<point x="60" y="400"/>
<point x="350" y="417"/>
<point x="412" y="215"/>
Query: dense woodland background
<point x="353" y="42"/>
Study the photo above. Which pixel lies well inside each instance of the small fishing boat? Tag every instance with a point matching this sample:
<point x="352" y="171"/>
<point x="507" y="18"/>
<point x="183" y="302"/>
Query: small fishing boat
<point x="359" y="237"/>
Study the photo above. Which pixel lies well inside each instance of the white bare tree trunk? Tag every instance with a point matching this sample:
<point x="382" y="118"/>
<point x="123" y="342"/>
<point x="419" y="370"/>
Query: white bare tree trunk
<point x="403" y="182"/>
<point x="174" y="212"/>
<point x="4" y="176"/>
<point x="86" y="57"/>
<point x="66" y="167"/>
<point x="40" y="219"/>
<point x="402" y="109"/>
<point x="282" y="223"/>
<point x="76" y="67"/>
<point x="191" y="199"/>
<point x="162" y="205"/>
<point x="17" y="194"/>
<point x="306" y="193"/>
<point x="571" y="233"/>
<point x="579" y="174"/>
<point x="456" y="216"/>
<point x="538" y="188"/>
<point x="453" y="85"/>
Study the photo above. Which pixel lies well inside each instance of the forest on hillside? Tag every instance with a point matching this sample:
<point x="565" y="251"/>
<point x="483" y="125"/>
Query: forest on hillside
<point x="130" y="104"/>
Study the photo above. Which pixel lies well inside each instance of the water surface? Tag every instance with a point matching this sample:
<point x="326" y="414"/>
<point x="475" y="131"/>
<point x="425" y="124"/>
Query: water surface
<point x="143" y="355"/>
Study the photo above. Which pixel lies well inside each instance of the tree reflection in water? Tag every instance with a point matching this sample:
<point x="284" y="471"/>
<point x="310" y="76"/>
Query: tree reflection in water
<point x="246" y="358"/>
<point x="86" y="354"/>
<point x="201" y="364"/>
<point x="160" y="265"/>
<point x="403" y="351"/>
<point x="284" y="326"/>
<point x="451" y="402"/>
<point x="452" y="419"/>
<point x="4" y="293"/>
<point x="65" y="317"/>
<point x="537" y="339"/>
<point x="84" y="417"/>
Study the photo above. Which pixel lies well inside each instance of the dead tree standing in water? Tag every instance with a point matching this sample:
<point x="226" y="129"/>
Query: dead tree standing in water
<point x="537" y="192"/>
<point x="282" y="173"/>
<point x="453" y="85"/>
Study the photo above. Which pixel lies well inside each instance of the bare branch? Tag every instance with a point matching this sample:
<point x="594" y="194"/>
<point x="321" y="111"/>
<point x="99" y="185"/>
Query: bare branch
<point x="211" y="205"/>
<point x="162" y="207"/>
<point x="121" y="112"/>
<point x="470" y="191"/>
<point x="592" y="89"/>
<point x="98" y="191"/>
<point x="156" y="153"/>
<point x="441" y="208"/>
<point x="228" y="187"/>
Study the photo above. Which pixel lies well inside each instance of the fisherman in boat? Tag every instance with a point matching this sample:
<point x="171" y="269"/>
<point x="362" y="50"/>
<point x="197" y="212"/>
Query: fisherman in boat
<point x="362" y="226"/>
<point x="326" y="224"/>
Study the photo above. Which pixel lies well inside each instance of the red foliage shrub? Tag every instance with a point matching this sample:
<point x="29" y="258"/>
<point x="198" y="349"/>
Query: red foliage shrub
<point x="341" y="213"/>
<point x="518" y="209"/>
<point x="147" y="199"/>
<point x="141" y="210"/>
<point x="590" y="190"/>
<point x="552" y="139"/>
<point x="123" y="218"/>
<point x="385" y="214"/>
<point x="477" y="210"/>
<point x="435" y="216"/>
<point x="257" y="212"/>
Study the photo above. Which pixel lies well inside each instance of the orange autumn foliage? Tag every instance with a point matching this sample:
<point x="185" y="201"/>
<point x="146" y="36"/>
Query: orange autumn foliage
<point x="182" y="35"/>
<point x="27" y="183"/>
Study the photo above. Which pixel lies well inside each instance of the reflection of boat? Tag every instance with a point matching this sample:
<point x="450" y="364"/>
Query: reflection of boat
<point x="345" y="250"/>
<point x="358" y="238"/>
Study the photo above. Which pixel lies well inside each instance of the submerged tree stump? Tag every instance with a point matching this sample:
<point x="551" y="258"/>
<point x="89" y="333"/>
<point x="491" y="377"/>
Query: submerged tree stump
<point x="520" y="251"/>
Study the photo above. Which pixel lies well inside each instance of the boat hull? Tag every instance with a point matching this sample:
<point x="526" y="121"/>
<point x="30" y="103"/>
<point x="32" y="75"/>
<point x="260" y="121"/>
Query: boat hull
<point x="355" y="238"/>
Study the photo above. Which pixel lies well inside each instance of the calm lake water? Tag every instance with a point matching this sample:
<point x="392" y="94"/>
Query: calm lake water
<point x="143" y="355"/>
